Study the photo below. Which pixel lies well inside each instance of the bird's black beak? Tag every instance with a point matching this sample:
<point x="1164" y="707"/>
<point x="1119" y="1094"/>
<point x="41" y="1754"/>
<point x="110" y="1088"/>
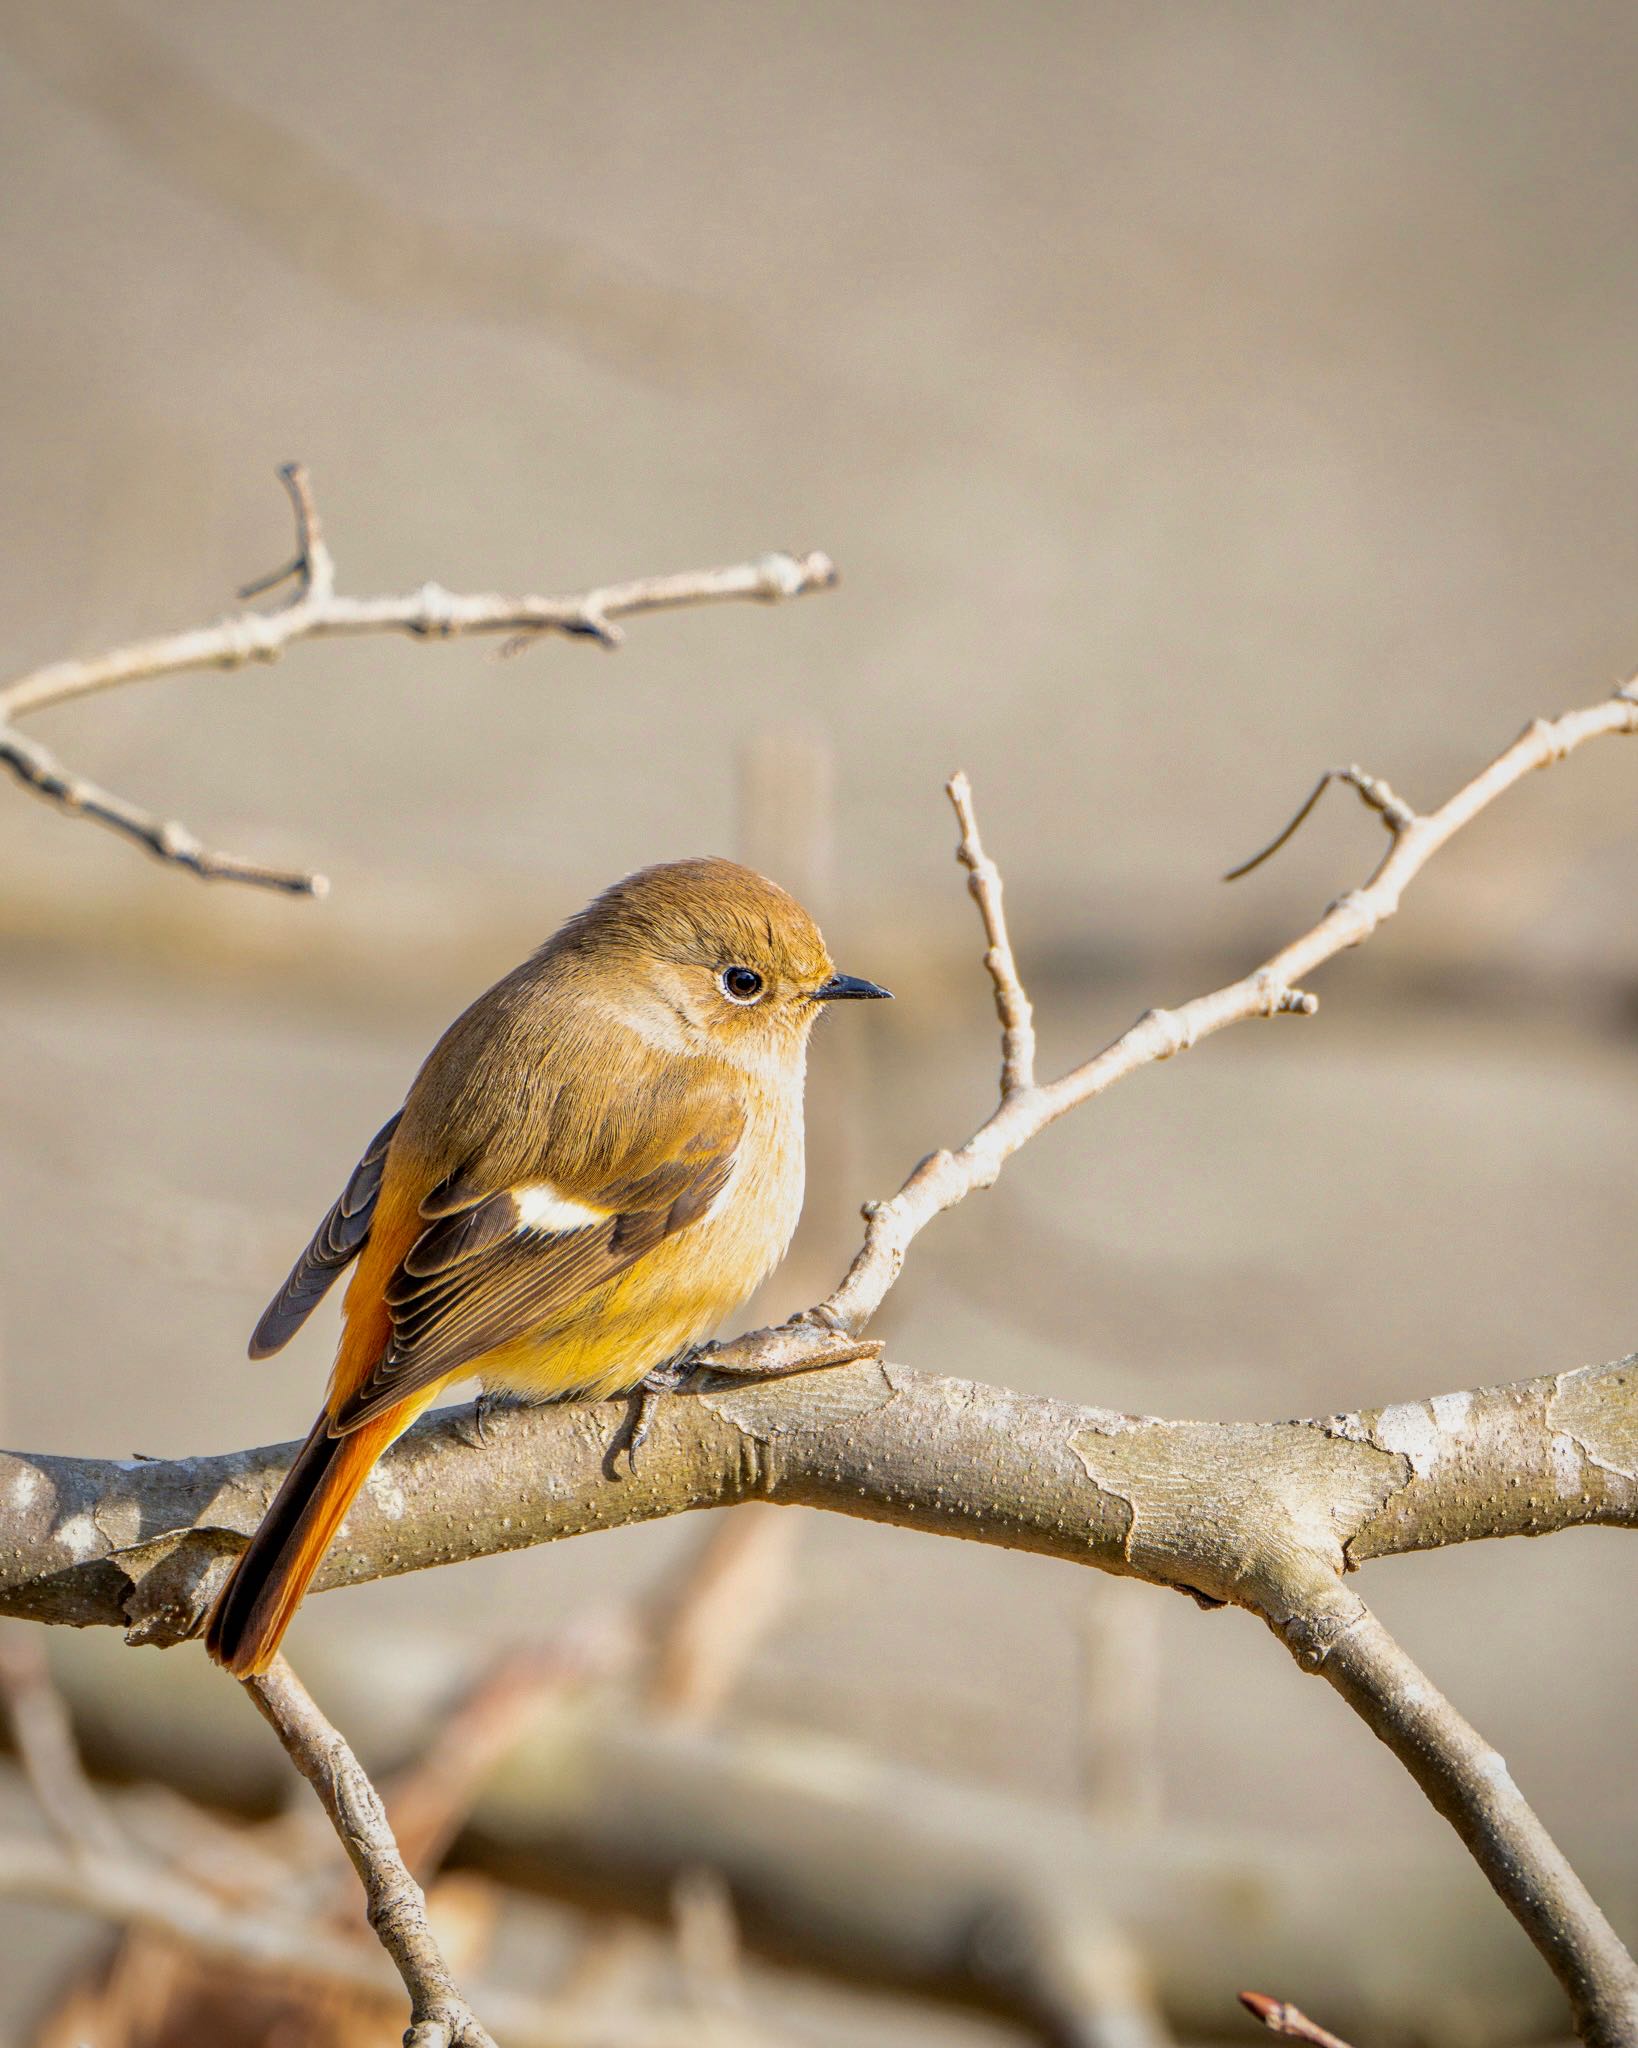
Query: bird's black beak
<point x="849" y="988"/>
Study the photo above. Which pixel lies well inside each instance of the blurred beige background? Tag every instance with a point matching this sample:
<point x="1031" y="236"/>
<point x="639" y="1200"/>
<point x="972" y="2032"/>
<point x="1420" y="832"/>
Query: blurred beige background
<point x="1193" y="396"/>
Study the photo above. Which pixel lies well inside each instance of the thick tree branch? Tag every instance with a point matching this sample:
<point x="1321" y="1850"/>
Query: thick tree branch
<point x="139" y="1544"/>
<point x="1267" y="1516"/>
<point x="315" y="611"/>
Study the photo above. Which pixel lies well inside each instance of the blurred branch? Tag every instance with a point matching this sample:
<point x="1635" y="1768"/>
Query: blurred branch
<point x="429" y="1801"/>
<point x="315" y="611"/>
<point x="1288" y="2020"/>
<point x="133" y="1893"/>
<point x="877" y="1872"/>
<point x="43" y="1737"/>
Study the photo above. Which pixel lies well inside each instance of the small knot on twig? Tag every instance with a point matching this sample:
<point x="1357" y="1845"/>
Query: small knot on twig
<point x="1547" y="731"/>
<point x="1395" y="813"/>
<point x="1355" y="905"/>
<point x="591" y="622"/>
<point x="250" y="636"/>
<point x="1175" y="1029"/>
<point x="780" y="575"/>
<point x="434" y="612"/>
<point x="1279" y="999"/>
<point x="1282" y="2018"/>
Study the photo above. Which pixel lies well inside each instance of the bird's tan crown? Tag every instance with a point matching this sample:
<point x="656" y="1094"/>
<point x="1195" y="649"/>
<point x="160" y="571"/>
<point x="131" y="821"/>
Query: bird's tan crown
<point x="708" y="913"/>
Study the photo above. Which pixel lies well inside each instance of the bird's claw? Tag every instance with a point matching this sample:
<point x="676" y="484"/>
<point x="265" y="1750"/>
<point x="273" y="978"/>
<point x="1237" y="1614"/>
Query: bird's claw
<point x="670" y="1376"/>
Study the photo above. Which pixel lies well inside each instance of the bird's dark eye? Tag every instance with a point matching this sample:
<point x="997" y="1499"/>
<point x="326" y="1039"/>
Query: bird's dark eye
<point x="740" y="984"/>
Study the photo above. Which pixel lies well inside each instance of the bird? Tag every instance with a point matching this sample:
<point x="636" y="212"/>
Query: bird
<point x="600" y="1160"/>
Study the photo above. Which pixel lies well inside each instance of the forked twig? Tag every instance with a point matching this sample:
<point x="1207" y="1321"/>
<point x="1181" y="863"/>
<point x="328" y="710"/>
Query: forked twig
<point x="1395" y="813"/>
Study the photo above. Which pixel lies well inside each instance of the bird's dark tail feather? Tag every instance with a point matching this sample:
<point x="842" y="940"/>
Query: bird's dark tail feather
<point x="260" y="1599"/>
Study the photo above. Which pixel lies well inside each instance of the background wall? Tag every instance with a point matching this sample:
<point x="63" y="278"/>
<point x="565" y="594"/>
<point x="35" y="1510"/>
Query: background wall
<point x="1192" y="396"/>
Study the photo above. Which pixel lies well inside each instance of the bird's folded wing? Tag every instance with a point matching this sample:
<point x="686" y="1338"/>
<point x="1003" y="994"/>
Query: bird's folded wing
<point x="338" y="1239"/>
<point x="497" y="1263"/>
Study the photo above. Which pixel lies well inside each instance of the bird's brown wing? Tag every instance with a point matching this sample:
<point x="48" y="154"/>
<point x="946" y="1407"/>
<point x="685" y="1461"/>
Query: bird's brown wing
<point x="338" y="1240"/>
<point x="495" y="1264"/>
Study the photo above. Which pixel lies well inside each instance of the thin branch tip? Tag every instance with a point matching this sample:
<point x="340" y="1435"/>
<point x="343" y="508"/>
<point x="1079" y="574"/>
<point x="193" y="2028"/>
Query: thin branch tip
<point x="1290" y="831"/>
<point x="1282" y="2018"/>
<point x="1013" y="1008"/>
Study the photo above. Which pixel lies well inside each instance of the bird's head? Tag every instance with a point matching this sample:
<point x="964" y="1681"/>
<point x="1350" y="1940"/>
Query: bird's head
<point x="713" y="954"/>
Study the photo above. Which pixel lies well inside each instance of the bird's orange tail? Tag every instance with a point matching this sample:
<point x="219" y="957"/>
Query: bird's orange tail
<point x="259" y="1601"/>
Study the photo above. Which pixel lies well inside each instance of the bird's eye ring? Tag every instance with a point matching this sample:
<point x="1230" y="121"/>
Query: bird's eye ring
<point x="740" y="984"/>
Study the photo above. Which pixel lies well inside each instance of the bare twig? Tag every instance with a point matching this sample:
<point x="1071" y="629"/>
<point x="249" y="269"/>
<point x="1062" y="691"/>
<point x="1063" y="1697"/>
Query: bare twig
<point x="1394" y="812"/>
<point x="1289" y="2020"/>
<point x="1012" y="1005"/>
<point x="39" y="770"/>
<point x="315" y="611"/>
<point x="439" y="2015"/>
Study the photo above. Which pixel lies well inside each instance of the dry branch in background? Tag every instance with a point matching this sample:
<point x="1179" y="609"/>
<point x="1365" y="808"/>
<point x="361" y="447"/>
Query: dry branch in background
<point x="843" y="1862"/>
<point x="222" y="1920"/>
<point x="1289" y="2020"/>
<point x="1266" y="1517"/>
<point x="314" y="611"/>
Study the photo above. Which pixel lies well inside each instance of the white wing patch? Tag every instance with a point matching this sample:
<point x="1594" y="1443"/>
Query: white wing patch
<point x="542" y="1208"/>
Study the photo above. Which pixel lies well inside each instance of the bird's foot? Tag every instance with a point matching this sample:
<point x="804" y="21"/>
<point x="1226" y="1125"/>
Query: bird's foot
<point x="489" y="1403"/>
<point x="670" y="1376"/>
<point x="809" y="1341"/>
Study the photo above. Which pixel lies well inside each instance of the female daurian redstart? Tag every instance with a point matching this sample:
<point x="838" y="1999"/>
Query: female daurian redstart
<point x="599" y="1161"/>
